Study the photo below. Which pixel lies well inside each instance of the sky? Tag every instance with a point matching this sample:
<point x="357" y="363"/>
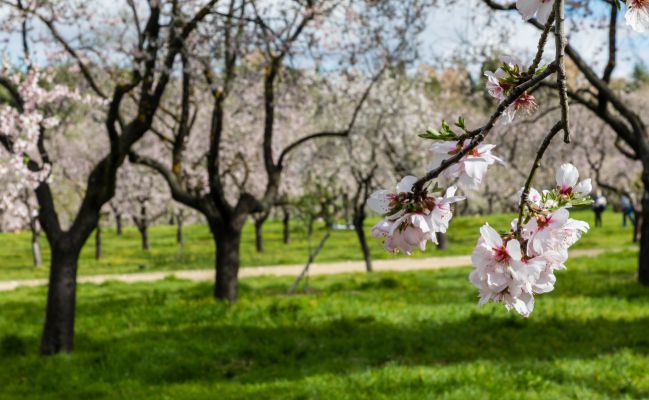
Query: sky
<point x="470" y="32"/>
<point x="463" y="30"/>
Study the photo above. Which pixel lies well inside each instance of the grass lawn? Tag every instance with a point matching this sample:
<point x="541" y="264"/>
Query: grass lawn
<point x="413" y="335"/>
<point x="123" y="254"/>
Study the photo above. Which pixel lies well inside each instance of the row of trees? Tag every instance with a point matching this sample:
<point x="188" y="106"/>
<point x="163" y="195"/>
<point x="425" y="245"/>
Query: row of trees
<point x="233" y="108"/>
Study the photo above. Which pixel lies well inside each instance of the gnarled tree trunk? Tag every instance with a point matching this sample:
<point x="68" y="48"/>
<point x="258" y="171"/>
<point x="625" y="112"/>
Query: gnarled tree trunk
<point x="227" y="241"/>
<point x="98" y="243"/>
<point x="180" y="219"/>
<point x="286" y="223"/>
<point x="259" y="230"/>
<point x="118" y="224"/>
<point x="442" y="243"/>
<point x="259" y="236"/>
<point x="36" y="244"/>
<point x="58" y="334"/>
<point x="144" y="234"/>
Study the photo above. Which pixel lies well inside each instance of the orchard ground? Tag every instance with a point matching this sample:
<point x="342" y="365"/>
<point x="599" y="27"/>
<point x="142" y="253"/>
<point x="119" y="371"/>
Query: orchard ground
<point x="375" y="336"/>
<point x="123" y="254"/>
<point x="410" y="335"/>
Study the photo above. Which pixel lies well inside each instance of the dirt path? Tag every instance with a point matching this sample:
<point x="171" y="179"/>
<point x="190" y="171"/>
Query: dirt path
<point x="403" y="264"/>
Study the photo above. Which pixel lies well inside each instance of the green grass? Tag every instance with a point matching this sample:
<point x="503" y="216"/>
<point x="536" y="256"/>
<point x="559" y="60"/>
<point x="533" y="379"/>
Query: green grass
<point x="415" y="335"/>
<point x="124" y="255"/>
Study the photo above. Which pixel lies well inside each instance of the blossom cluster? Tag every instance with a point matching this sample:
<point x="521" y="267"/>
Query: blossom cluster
<point x="501" y="82"/>
<point x="637" y="13"/>
<point x="512" y="268"/>
<point x="21" y="129"/>
<point x="411" y="220"/>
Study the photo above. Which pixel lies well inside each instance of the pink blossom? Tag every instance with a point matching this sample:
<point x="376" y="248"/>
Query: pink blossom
<point x="554" y="261"/>
<point x="567" y="177"/>
<point x="441" y="214"/>
<point x="470" y="169"/>
<point x="495" y="88"/>
<point x="410" y="222"/>
<point x="637" y="15"/>
<point x="525" y="102"/>
<point x="555" y="231"/>
<point x="539" y="8"/>
<point x="502" y="274"/>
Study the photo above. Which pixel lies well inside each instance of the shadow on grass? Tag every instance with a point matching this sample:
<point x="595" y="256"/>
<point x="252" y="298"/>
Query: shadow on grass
<point x="180" y="336"/>
<point x="253" y="355"/>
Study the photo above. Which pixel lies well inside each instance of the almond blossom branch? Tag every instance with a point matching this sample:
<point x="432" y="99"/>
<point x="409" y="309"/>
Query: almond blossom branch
<point x="478" y="135"/>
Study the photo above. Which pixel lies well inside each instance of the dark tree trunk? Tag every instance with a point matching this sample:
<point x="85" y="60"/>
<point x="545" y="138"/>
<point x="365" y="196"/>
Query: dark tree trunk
<point x="58" y="334"/>
<point x="359" y="220"/>
<point x="180" y="239"/>
<point x="142" y="223"/>
<point x="442" y="243"/>
<point x="144" y="234"/>
<point x="643" y="265"/>
<point x="98" y="243"/>
<point x="259" y="230"/>
<point x="638" y="223"/>
<point x="286" y="222"/>
<point x="228" y="241"/>
<point x="36" y="244"/>
<point x="259" y="235"/>
<point x="118" y="223"/>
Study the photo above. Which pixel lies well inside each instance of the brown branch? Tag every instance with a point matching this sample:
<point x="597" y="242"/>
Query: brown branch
<point x="177" y="191"/>
<point x="537" y="163"/>
<point x="560" y="44"/>
<point x="342" y="133"/>
<point x="612" y="45"/>
<point x="541" y="46"/>
<point x="85" y="70"/>
<point x="16" y="99"/>
<point x="479" y="135"/>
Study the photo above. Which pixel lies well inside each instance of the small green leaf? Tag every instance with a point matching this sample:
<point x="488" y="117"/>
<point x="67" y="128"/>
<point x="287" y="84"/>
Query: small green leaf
<point x="460" y="123"/>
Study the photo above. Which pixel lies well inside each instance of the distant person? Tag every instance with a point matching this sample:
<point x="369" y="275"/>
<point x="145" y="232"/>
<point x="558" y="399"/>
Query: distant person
<point x="599" y="205"/>
<point x="626" y="203"/>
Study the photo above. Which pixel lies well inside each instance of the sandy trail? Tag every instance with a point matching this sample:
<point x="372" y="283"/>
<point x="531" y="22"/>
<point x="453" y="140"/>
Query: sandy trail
<point x="403" y="264"/>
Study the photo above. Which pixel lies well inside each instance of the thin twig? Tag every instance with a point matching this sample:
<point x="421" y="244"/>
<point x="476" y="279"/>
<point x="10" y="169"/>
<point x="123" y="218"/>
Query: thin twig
<point x="541" y="46"/>
<point x="560" y="44"/>
<point x="537" y="163"/>
<point x="312" y="256"/>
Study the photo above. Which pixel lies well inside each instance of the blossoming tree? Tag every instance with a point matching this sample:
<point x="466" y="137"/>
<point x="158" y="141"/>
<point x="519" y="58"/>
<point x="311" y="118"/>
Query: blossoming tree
<point x="154" y="37"/>
<point x="513" y="266"/>
<point x="259" y="41"/>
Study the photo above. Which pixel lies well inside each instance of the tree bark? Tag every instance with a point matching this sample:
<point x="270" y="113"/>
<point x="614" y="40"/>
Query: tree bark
<point x="359" y="220"/>
<point x="259" y="235"/>
<point x="144" y="234"/>
<point x="180" y="238"/>
<point x="638" y="223"/>
<point x="142" y="223"/>
<point x="227" y="240"/>
<point x="58" y="333"/>
<point x="118" y="223"/>
<point x="98" y="243"/>
<point x="36" y="245"/>
<point x="286" y="222"/>
<point x="442" y="243"/>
